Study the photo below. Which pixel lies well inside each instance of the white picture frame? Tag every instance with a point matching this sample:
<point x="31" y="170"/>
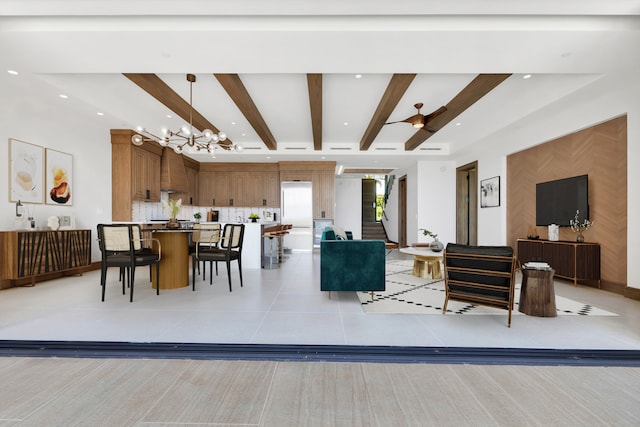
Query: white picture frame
<point x="26" y="183"/>
<point x="59" y="178"/>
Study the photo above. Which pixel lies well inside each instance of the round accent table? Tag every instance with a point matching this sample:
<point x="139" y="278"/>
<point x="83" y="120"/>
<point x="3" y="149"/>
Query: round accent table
<point x="426" y="263"/>
<point x="537" y="295"/>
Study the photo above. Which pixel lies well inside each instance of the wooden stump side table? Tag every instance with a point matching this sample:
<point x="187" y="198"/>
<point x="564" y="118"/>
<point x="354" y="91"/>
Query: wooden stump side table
<point x="537" y="294"/>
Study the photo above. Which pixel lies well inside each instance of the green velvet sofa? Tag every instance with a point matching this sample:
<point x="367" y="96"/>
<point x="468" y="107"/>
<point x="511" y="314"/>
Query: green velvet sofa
<point x="351" y="265"/>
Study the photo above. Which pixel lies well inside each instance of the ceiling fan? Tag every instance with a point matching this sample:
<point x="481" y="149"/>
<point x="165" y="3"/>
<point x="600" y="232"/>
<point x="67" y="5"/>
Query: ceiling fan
<point x="419" y="121"/>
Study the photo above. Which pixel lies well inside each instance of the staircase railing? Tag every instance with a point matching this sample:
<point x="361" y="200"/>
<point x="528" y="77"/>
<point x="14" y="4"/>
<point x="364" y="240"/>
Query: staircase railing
<point x="389" y="179"/>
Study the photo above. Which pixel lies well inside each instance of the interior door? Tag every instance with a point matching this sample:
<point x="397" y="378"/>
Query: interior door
<point x="368" y="200"/>
<point x="402" y="212"/>
<point x="467" y="204"/>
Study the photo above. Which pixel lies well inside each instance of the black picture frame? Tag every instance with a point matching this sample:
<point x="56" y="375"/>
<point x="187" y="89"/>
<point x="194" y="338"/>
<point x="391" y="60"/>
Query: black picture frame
<point x="490" y="192"/>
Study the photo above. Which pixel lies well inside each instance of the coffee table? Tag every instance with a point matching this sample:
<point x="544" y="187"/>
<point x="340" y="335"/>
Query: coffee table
<point x="426" y="263"/>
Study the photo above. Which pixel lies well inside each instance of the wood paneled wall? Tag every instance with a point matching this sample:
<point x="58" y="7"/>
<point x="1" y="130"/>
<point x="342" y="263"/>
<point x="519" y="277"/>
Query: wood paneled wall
<point x="600" y="152"/>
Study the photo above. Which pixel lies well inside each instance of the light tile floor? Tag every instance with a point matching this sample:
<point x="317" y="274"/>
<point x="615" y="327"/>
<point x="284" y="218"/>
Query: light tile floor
<point x="285" y="306"/>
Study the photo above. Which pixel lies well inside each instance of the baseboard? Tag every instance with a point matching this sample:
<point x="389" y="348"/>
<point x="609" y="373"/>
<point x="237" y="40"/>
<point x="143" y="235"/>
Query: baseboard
<point x="321" y="353"/>
<point x="632" y="293"/>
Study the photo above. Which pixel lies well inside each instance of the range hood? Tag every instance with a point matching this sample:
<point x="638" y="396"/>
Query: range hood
<point x="173" y="176"/>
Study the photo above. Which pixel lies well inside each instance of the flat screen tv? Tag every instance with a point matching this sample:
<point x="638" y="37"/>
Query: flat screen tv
<point x="557" y="201"/>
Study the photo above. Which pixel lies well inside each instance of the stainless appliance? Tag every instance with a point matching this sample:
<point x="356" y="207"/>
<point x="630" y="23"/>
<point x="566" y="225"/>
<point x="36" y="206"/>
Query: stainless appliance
<point x="297" y="209"/>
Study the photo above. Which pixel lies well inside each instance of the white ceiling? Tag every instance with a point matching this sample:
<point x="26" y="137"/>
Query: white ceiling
<point x="80" y="48"/>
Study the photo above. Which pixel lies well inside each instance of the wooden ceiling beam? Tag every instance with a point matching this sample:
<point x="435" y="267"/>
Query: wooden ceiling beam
<point x="479" y="87"/>
<point x="240" y="96"/>
<point x="154" y="86"/>
<point x="314" y="83"/>
<point x="396" y="88"/>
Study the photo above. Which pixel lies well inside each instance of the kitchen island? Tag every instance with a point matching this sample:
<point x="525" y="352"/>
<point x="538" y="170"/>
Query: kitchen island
<point x="174" y="265"/>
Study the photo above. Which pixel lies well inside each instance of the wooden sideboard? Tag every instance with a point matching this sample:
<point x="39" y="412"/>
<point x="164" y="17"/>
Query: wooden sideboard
<point x="31" y="256"/>
<point x="570" y="260"/>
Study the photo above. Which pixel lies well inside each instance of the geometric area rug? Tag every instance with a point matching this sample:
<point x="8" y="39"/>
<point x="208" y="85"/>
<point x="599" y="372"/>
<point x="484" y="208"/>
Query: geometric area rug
<point x="407" y="294"/>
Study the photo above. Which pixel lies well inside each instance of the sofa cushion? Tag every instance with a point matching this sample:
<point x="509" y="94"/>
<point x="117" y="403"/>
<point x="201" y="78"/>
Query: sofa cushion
<point x="333" y="232"/>
<point x="340" y="233"/>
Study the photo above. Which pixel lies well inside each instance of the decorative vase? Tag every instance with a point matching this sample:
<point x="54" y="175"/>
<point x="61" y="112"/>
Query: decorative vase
<point x="436" y="245"/>
<point x="254" y="220"/>
<point x="579" y="238"/>
<point x="173" y="223"/>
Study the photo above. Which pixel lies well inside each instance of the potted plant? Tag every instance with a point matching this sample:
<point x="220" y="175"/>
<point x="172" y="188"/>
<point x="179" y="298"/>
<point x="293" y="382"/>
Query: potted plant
<point x="254" y="217"/>
<point x="172" y="207"/>
<point x="436" y="245"/>
<point x="197" y="217"/>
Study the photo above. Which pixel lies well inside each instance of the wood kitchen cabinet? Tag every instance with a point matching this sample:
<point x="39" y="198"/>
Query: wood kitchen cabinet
<point x="192" y="195"/>
<point x="271" y="191"/>
<point x="239" y="195"/>
<point x="214" y="188"/>
<point x="322" y="177"/>
<point x="323" y="193"/>
<point x="146" y="175"/>
<point x="240" y="185"/>
<point x="135" y="173"/>
<point x="264" y="189"/>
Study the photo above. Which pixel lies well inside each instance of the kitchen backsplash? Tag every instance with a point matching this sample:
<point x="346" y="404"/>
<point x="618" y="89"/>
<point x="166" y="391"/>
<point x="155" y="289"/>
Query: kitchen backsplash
<point x="144" y="211"/>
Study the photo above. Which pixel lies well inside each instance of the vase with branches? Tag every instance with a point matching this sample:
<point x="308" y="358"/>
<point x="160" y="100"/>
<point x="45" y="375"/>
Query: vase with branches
<point x="435" y="245"/>
<point x="580" y="227"/>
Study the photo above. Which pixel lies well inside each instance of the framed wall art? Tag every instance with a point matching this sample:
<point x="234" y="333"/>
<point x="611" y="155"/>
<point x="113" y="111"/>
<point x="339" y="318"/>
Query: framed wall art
<point x="490" y="192"/>
<point x="59" y="178"/>
<point x="26" y="182"/>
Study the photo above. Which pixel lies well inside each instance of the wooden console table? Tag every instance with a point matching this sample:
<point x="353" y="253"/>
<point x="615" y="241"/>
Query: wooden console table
<point x="570" y="260"/>
<point x="30" y="256"/>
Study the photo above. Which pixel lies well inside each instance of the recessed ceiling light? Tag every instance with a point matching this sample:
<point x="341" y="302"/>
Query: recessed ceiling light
<point x="169" y="116"/>
<point x="526" y="76"/>
<point x="458" y="124"/>
<point x="244" y="134"/>
<point x="63" y="96"/>
<point x="233" y="123"/>
<point x="346" y="123"/>
<point x="12" y="72"/>
<point x="358" y="76"/>
<point x="100" y="114"/>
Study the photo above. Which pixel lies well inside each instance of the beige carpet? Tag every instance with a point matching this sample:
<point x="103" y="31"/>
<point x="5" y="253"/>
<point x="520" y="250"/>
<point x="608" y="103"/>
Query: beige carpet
<point x="407" y="294"/>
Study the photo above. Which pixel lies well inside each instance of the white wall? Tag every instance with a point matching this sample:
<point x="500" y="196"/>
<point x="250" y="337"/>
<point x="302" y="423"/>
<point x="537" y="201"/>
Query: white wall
<point x="348" y="209"/>
<point x="436" y="207"/>
<point x="66" y="126"/>
<point x="431" y="202"/>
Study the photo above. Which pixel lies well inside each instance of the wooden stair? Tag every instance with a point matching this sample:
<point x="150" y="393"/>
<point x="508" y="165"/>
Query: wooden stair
<point x="374" y="231"/>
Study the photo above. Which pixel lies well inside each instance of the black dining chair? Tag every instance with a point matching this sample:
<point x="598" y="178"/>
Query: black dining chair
<point x="204" y="238"/>
<point x="229" y="249"/>
<point x="121" y="246"/>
